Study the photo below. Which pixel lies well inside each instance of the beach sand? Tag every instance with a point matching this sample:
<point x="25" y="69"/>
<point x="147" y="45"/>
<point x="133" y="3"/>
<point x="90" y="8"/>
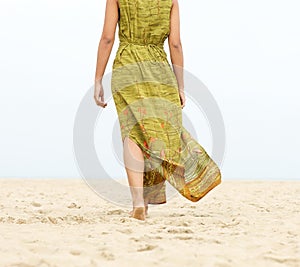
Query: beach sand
<point x="64" y="223"/>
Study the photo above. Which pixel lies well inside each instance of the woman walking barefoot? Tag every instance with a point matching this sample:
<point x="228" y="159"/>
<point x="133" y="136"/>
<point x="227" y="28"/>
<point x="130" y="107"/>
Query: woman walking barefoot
<point x="149" y="96"/>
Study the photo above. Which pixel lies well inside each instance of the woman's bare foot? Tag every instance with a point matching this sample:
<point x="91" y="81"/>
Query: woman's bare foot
<point x="139" y="213"/>
<point x="146" y="211"/>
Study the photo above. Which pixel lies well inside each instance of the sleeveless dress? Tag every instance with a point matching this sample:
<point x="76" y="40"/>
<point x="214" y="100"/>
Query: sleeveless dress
<point x="145" y="93"/>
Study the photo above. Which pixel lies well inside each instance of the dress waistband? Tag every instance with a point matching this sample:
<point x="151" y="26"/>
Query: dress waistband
<point x="127" y="42"/>
<point x="157" y="50"/>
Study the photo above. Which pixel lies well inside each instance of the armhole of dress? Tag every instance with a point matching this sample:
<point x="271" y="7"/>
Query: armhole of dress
<point x="118" y="3"/>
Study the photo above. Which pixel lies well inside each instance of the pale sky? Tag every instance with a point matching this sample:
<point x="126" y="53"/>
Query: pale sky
<point x="247" y="53"/>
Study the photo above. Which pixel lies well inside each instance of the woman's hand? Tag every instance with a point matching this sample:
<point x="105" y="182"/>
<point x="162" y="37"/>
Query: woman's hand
<point x="99" y="94"/>
<point x="182" y="97"/>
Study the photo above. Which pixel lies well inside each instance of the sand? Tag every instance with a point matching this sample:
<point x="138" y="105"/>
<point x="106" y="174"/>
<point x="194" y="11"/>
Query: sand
<point x="65" y="223"/>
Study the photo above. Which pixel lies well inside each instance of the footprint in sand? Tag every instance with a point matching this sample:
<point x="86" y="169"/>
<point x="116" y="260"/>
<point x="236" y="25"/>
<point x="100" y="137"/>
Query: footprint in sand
<point x="41" y="211"/>
<point x="176" y="215"/>
<point x="52" y="220"/>
<point x="108" y="256"/>
<point x="146" y="248"/>
<point x="283" y="260"/>
<point x="74" y="206"/>
<point x="179" y="223"/>
<point x="183" y="237"/>
<point x="10" y="219"/>
<point x="115" y="212"/>
<point x="75" y="252"/>
<point x="125" y="231"/>
<point x="21" y="221"/>
<point x="36" y="204"/>
<point x="180" y="231"/>
<point x="225" y="225"/>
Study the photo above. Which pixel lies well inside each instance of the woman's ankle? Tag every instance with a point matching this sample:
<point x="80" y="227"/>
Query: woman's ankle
<point x="138" y="203"/>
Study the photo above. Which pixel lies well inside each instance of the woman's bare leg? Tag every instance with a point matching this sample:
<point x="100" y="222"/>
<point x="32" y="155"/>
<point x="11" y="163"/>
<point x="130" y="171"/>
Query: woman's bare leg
<point x="134" y="165"/>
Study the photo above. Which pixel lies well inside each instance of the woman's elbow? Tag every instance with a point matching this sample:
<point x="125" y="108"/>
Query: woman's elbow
<point x="107" y="40"/>
<point x="175" y="44"/>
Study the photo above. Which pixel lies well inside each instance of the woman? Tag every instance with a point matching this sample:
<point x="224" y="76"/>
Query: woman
<point x="149" y="97"/>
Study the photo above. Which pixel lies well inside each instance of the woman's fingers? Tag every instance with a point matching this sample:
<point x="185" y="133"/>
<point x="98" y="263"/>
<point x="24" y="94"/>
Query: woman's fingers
<point x="182" y="99"/>
<point x="100" y="102"/>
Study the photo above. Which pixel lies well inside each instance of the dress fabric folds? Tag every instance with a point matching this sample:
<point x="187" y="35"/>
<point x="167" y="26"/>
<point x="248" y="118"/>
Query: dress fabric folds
<point x="145" y="93"/>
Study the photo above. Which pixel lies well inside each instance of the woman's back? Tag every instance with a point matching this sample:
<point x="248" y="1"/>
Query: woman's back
<point x="144" y="21"/>
<point x="144" y="25"/>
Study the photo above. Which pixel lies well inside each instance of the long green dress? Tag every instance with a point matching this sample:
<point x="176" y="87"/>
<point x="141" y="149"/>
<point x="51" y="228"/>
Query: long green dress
<point x="145" y="93"/>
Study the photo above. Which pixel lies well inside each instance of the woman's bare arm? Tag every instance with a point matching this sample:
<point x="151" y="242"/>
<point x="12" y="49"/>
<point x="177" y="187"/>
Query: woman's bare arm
<point x="107" y="37"/>
<point x="104" y="48"/>
<point x="175" y="46"/>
